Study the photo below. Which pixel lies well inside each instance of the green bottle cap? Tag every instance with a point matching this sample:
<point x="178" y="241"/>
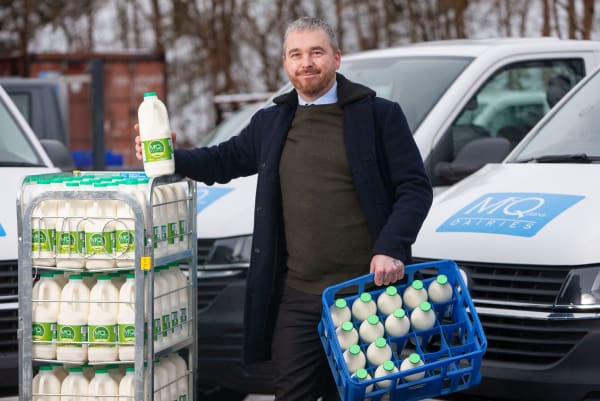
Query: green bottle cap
<point x="102" y="278"/>
<point x="365" y="297"/>
<point x="150" y="94"/>
<point x="399" y="313"/>
<point x="425" y="306"/>
<point x="46" y="367"/>
<point x="75" y="370"/>
<point x="442" y="279"/>
<point x="414" y="358"/>
<point x="373" y="319"/>
<point x="417" y="285"/>
<point x="347" y="326"/>
<point x="75" y="277"/>
<point x="391" y="291"/>
<point x="388" y="366"/>
<point x="101" y="371"/>
<point x="340" y="303"/>
<point x="129" y="369"/>
<point x="380" y="342"/>
<point x="354" y="349"/>
<point x="362" y="373"/>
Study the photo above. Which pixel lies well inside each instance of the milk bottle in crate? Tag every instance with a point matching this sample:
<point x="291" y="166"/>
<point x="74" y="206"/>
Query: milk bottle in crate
<point x="70" y="233"/>
<point x="45" y="308"/>
<point x="102" y="321"/>
<point x="100" y="232"/>
<point x="45" y="385"/>
<point x="43" y="227"/>
<point x="75" y="386"/>
<point x="72" y="321"/>
<point x="181" y="374"/>
<point x="126" y="319"/>
<point x="102" y="387"/>
<point x="182" y="300"/>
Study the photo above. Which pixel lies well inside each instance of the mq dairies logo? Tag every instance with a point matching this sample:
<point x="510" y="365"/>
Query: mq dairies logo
<point x="509" y="213"/>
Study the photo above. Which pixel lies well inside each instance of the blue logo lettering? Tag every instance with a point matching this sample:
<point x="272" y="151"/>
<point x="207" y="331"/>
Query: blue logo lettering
<point x="509" y="213"/>
<point x="207" y="195"/>
<point x="2" y="232"/>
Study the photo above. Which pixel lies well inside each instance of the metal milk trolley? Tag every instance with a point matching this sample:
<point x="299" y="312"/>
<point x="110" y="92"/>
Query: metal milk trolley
<point x="107" y="287"/>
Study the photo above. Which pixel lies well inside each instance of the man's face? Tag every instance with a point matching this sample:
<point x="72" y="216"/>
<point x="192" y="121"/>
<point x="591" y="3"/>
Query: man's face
<point x="310" y="63"/>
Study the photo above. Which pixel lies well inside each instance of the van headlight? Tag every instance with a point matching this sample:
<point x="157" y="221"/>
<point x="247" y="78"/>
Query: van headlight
<point x="581" y="289"/>
<point x="230" y="252"/>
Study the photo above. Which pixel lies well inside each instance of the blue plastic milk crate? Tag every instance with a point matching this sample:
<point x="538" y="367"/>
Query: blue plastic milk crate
<point x="451" y="351"/>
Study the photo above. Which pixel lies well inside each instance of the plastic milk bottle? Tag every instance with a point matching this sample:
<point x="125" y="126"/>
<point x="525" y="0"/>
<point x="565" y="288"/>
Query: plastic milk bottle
<point x="125" y="227"/>
<point x="127" y="385"/>
<point x="72" y="321"/>
<point x="183" y="299"/>
<point x="45" y="316"/>
<point x="102" y="321"/>
<point x="126" y="319"/>
<point x="347" y="335"/>
<point x="389" y="300"/>
<point x="340" y="312"/>
<point x="102" y="387"/>
<point x="100" y="232"/>
<point x="354" y="358"/>
<point x="379" y="352"/>
<point x="182" y="207"/>
<point x="362" y="375"/>
<point x="181" y="374"/>
<point x="155" y="133"/>
<point x="413" y="361"/>
<point x="440" y="289"/>
<point x="385" y="369"/>
<point x="363" y="307"/>
<point x="397" y="324"/>
<point x="159" y="223"/>
<point x="414" y="294"/>
<point x="43" y="228"/>
<point x="172" y="218"/>
<point x="371" y="329"/>
<point x="70" y="234"/>
<point x="172" y="285"/>
<point x="160" y="311"/>
<point x="75" y="386"/>
<point x="171" y="370"/>
<point x="423" y="317"/>
<point x="45" y="382"/>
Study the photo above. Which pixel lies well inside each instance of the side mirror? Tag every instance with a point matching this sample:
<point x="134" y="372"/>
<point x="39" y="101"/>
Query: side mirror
<point x="472" y="157"/>
<point x="58" y="153"/>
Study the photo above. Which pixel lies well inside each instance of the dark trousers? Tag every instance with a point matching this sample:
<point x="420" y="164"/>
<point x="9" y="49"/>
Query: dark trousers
<point x="301" y="369"/>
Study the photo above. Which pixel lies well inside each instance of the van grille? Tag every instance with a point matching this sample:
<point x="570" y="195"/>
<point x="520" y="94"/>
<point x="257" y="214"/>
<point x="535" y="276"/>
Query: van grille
<point x="518" y="339"/>
<point x="204" y="247"/>
<point x="515" y="283"/>
<point x="9" y="317"/>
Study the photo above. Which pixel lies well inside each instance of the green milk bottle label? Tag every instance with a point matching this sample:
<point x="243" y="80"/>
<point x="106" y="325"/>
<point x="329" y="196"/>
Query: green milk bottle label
<point x="156" y="150"/>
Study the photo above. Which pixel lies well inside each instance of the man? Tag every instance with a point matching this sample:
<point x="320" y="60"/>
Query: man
<point x="341" y="191"/>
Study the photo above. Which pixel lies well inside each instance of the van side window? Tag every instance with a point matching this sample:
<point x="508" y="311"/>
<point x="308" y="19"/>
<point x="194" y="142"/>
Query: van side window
<point x="507" y="106"/>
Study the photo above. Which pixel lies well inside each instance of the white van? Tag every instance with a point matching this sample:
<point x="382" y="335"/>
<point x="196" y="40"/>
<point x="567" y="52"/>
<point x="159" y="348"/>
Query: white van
<point x="467" y="103"/>
<point x="525" y="234"/>
<point x="21" y="154"/>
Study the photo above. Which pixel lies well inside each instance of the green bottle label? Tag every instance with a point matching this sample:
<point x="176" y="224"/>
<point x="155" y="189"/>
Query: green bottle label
<point x="43" y="331"/>
<point x="183" y="314"/>
<point x="125" y="241"/>
<point x="156" y="150"/>
<point x="172" y="232"/>
<point x="102" y="334"/>
<point x="42" y="240"/>
<point x="166" y="324"/>
<point x="157" y="329"/>
<point x="99" y="243"/>
<point x="72" y="335"/>
<point x="126" y="333"/>
<point x="174" y="321"/>
<point x="181" y="230"/>
<point x="69" y="242"/>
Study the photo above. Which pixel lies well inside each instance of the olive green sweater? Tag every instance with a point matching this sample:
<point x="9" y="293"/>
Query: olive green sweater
<point x="326" y="232"/>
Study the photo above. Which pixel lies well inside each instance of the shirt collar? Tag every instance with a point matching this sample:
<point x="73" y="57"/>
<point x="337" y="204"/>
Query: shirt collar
<point x="329" y="97"/>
